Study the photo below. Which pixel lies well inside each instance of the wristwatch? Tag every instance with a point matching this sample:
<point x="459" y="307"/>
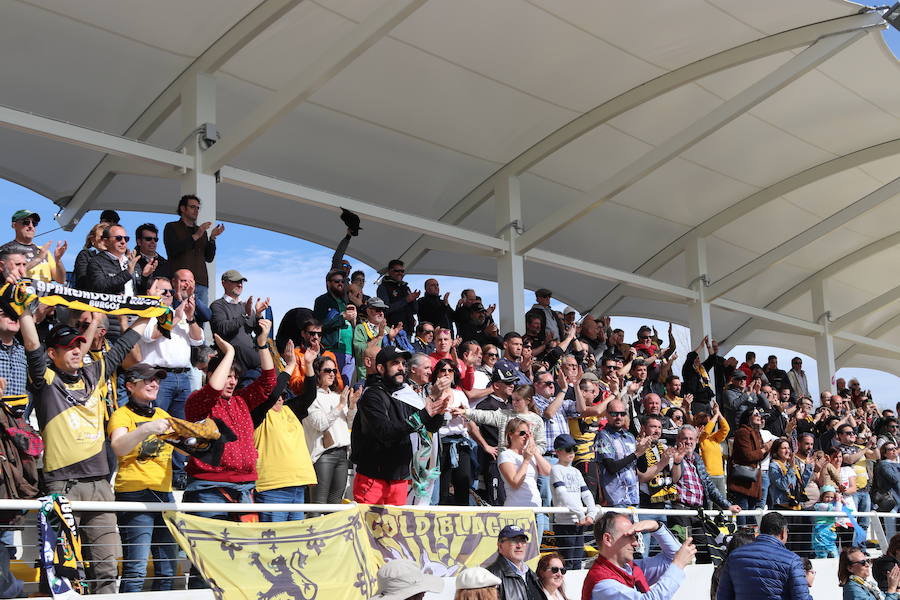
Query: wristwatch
<point x="191" y="321"/>
<point x="263" y="347"/>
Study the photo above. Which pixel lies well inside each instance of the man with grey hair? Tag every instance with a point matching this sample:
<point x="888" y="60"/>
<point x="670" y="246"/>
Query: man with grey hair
<point x="696" y="488"/>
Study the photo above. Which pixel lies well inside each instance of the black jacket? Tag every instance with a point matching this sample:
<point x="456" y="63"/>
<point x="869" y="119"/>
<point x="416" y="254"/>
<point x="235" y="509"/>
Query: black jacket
<point x="163" y="269"/>
<point x="512" y="586"/>
<point x="433" y="309"/>
<point x="379" y="439"/>
<point x="394" y="294"/>
<point x="106" y="275"/>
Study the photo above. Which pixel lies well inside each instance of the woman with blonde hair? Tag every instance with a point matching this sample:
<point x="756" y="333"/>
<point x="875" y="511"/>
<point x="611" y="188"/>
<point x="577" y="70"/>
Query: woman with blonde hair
<point x="93" y="245"/>
<point x="477" y="583"/>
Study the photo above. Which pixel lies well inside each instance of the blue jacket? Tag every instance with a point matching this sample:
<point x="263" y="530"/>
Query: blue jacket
<point x="763" y="570"/>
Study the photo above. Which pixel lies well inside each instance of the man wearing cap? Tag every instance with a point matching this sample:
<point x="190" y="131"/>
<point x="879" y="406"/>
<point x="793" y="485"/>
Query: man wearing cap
<point x="615" y="575"/>
<point x="236" y="321"/>
<point x="188" y="244"/>
<point x="503" y="382"/>
<point x="403" y="579"/>
<point x="338" y="319"/>
<point x="388" y="414"/>
<point x="550" y="322"/>
<point x="517" y="580"/>
<point x="369" y="332"/>
<point x="738" y="399"/>
<point x="41" y="263"/>
<point x="617" y="455"/>
<point x="70" y="415"/>
<point x="144" y="475"/>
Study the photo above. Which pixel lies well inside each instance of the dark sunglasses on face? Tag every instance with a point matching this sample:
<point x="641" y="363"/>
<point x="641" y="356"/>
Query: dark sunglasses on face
<point x="616" y="413"/>
<point x="492" y="355"/>
<point x="28" y="222"/>
<point x="150" y="239"/>
<point x="865" y="561"/>
<point x="556" y="570"/>
<point x="165" y="292"/>
<point x="313" y="333"/>
<point x="119" y="238"/>
<point x="522" y="433"/>
<point x="329" y="371"/>
<point x="572" y="449"/>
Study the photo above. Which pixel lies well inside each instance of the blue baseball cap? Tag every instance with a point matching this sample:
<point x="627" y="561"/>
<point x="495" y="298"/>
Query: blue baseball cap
<point x="512" y="531"/>
<point x="564" y="440"/>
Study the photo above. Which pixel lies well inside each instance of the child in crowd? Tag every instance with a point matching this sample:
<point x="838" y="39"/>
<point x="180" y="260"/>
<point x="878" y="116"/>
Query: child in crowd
<point x="570" y="490"/>
<point x="824" y="542"/>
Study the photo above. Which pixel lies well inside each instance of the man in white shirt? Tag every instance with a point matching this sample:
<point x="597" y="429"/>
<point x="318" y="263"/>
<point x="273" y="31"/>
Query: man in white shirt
<point x="172" y="355"/>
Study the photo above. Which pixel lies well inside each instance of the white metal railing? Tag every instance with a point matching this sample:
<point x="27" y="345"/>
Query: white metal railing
<point x="26" y="540"/>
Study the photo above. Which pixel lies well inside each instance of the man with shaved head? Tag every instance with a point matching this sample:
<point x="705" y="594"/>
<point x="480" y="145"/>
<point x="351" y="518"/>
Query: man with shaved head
<point x="617" y="455"/>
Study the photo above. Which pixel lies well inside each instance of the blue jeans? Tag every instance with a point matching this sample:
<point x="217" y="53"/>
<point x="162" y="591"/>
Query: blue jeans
<point x="764" y="498"/>
<point x="201" y="293"/>
<point x="543" y="485"/>
<point x="203" y="491"/>
<point x="863" y="504"/>
<point x="146" y="533"/>
<point x="173" y="393"/>
<point x="286" y="495"/>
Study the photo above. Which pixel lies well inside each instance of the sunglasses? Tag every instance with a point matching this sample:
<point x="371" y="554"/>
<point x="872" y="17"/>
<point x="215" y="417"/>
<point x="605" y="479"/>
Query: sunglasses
<point x="556" y="570"/>
<point x="313" y="333"/>
<point x="427" y="331"/>
<point x="522" y="433"/>
<point x="329" y="371"/>
<point x="616" y="413"/>
<point x="165" y="292"/>
<point x="571" y="449"/>
<point x="545" y="383"/>
<point x="119" y="238"/>
<point x="398" y="270"/>
<point x="847" y="433"/>
<point x="492" y="355"/>
<point x="888" y="448"/>
<point x="865" y="561"/>
<point x="150" y="239"/>
<point x="29" y="222"/>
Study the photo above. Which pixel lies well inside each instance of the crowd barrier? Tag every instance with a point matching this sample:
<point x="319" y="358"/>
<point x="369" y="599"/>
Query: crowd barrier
<point x="24" y="540"/>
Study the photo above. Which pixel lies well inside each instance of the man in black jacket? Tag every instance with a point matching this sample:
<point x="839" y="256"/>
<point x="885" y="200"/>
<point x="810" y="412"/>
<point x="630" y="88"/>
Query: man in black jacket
<point x="389" y="416"/>
<point x="518" y="582"/>
<point x="113" y="271"/>
<point x="400" y="299"/>
<point x="434" y="308"/>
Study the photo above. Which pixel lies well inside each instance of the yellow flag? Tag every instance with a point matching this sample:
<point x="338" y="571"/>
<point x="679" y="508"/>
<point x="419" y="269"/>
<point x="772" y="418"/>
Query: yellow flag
<point x="323" y="558"/>
<point x="443" y="541"/>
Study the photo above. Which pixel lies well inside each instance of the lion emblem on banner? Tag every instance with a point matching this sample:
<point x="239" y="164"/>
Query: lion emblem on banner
<point x="284" y="576"/>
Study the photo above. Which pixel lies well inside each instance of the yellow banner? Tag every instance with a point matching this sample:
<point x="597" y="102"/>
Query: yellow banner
<point x="322" y="558"/>
<point x="336" y="557"/>
<point x="444" y="542"/>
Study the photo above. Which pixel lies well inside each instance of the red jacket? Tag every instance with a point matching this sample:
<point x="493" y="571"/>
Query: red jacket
<point x="239" y="458"/>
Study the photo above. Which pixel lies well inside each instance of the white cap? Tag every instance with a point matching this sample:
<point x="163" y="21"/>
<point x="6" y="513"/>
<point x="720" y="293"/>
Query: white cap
<point x="569" y="309"/>
<point x="474" y="578"/>
<point x="400" y="579"/>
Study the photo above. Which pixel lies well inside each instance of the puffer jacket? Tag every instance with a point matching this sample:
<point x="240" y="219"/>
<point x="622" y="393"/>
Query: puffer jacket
<point x="512" y="586"/>
<point x="763" y="570"/>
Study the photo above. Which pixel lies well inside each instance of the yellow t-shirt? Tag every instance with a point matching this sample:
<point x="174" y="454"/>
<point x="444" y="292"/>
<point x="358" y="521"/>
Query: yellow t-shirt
<point x="283" y="454"/>
<point x="149" y="464"/>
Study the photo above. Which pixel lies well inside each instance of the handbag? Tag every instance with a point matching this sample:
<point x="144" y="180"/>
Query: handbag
<point x="744" y="472"/>
<point x="884" y="500"/>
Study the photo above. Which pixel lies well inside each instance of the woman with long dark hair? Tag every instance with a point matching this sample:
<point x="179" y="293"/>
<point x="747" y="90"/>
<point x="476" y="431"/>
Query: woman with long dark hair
<point x="854" y="569"/>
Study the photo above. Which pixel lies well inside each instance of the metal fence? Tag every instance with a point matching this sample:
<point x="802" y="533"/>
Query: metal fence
<point x="22" y="541"/>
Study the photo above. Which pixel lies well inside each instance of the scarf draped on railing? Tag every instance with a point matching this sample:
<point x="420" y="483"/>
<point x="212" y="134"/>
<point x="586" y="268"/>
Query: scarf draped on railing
<point x="60" y="556"/>
<point x="15" y="297"/>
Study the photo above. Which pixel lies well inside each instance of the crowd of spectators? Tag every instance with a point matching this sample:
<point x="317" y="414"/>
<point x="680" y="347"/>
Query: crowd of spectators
<point x="403" y="397"/>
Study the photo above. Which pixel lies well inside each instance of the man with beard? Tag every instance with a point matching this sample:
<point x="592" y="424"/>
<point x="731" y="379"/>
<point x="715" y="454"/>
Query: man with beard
<point x="380" y="437"/>
<point x="338" y="320"/>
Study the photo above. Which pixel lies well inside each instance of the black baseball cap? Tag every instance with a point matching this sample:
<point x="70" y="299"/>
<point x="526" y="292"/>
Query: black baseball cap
<point x="504" y="375"/>
<point x="141" y="372"/>
<point x="64" y="336"/>
<point x="389" y="353"/>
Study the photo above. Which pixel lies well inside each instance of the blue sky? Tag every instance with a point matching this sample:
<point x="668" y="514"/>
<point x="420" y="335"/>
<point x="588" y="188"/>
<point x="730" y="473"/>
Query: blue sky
<point x="263" y="256"/>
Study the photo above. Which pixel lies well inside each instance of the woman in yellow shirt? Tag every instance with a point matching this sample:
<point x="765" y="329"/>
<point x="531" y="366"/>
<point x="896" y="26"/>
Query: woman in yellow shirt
<point x="284" y="466"/>
<point x="711" y="444"/>
<point x="145" y="475"/>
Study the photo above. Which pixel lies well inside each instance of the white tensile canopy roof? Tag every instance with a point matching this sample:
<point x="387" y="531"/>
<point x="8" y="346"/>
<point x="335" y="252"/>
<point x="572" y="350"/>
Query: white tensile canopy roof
<point x="725" y="164"/>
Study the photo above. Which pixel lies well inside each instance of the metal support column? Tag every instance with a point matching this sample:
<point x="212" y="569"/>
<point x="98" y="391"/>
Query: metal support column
<point x="510" y="266"/>
<point x="825" y="361"/>
<point x="198" y="106"/>
<point x="698" y="317"/>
